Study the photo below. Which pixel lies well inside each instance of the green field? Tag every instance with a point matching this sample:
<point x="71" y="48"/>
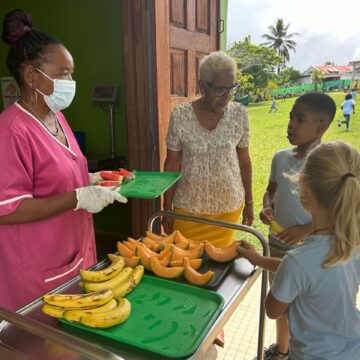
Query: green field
<point x="268" y="134"/>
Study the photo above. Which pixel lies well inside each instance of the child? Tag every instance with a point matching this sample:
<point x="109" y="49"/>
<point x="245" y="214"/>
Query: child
<point x="273" y="106"/>
<point x="316" y="284"/>
<point x="310" y="117"/>
<point x="348" y="107"/>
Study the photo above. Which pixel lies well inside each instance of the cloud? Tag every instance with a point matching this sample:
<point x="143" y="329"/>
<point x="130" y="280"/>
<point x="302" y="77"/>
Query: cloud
<point x="326" y="33"/>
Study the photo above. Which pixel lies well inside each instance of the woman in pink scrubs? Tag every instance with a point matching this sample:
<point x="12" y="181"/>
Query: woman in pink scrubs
<point x="44" y="175"/>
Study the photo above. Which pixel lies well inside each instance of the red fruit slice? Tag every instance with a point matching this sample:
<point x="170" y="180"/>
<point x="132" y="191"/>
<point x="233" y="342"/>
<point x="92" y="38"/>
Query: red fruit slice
<point x="126" y="174"/>
<point x="111" y="175"/>
<point x="108" y="183"/>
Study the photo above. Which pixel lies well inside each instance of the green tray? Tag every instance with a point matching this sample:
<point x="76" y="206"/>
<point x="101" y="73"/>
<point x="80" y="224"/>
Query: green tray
<point x="149" y="185"/>
<point x="167" y="318"/>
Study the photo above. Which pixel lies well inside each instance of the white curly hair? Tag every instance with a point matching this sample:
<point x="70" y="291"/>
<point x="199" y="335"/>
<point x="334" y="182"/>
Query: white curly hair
<point x="214" y="63"/>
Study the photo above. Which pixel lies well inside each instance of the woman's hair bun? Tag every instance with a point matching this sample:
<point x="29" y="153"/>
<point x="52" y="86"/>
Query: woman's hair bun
<point x="16" y="23"/>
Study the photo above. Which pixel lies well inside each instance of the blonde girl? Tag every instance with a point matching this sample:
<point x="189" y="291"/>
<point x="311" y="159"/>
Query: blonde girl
<point x="317" y="283"/>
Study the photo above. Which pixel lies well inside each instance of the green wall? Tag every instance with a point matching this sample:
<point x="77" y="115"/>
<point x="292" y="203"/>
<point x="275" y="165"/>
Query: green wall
<point x="223" y="16"/>
<point x="91" y="30"/>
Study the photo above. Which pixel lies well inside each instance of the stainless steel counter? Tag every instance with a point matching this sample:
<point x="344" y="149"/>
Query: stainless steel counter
<point x="30" y="334"/>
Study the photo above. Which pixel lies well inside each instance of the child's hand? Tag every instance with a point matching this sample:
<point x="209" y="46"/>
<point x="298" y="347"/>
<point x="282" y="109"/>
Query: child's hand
<point x="248" y="251"/>
<point x="294" y="234"/>
<point x="266" y="215"/>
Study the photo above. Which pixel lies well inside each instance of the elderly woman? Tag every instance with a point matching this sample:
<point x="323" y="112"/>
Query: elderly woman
<point x="207" y="142"/>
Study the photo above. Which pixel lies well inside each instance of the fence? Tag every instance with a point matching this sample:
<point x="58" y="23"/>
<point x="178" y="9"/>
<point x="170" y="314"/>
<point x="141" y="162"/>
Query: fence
<point x="323" y="86"/>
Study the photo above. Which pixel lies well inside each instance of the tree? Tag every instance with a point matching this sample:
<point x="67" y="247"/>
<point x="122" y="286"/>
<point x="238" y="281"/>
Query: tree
<point x="288" y="76"/>
<point x="255" y="63"/>
<point x="317" y="76"/>
<point x="280" y="40"/>
<point x="329" y="63"/>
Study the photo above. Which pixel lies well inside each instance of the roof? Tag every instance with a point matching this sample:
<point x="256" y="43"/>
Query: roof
<point x="334" y="69"/>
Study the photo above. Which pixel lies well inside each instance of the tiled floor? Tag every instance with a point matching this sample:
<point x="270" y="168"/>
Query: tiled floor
<point x="241" y="331"/>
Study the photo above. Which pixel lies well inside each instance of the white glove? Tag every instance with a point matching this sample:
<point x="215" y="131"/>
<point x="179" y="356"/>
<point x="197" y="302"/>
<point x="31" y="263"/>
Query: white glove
<point x="94" y="177"/>
<point x="95" y="198"/>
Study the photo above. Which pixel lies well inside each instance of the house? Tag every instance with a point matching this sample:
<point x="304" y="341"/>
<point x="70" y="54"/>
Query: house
<point x="355" y="76"/>
<point x="330" y="72"/>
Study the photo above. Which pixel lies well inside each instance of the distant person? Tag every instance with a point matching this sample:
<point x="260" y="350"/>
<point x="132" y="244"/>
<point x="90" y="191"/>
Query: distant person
<point x="316" y="284"/>
<point x="348" y="108"/>
<point x="283" y="96"/>
<point x="353" y="94"/>
<point x="310" y="117"/>
<point x="273" y="107"/>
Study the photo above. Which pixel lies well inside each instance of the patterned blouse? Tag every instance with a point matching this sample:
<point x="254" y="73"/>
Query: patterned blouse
<point x="211" y="181"/>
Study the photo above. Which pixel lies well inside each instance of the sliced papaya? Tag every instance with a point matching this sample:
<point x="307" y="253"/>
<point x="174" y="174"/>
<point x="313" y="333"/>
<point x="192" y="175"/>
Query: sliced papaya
<point x="123" y="250"/>
<point x="165" y="261"/>
<point x="221" y="254"/>
<point x="194" y="277"/>
<point x="112" y="257"/>
<point x="152" y="244"/>
<point x="165" y="272"/>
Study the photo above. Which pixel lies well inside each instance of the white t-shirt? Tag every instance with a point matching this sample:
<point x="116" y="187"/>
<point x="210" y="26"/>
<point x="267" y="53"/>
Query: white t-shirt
<point x="211" y="180"/>
<point x="323" y="319"/>
<point x="347" y="106"/>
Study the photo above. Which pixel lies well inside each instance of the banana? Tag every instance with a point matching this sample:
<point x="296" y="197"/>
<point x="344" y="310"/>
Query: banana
<point x="85" y="301"/>
<point x="110" y="318"/>
<point x="54" y="311"/>
<point x="111" y="284"/>
<point x="75" y="315"/>
<point x="129" y="285"/>
<point x="105" y="274"/>
<point x="275" y="227"/>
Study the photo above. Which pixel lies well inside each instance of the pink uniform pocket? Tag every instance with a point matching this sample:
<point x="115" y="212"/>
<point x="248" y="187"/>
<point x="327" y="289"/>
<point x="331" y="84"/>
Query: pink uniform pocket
<point x="56" y="277"/>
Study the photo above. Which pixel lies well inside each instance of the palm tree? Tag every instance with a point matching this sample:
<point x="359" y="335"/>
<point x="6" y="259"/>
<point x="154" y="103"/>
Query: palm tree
<point x="280" y="40"/>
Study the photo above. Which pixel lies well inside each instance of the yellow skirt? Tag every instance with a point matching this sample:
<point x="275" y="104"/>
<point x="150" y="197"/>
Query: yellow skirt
<point x="198" y="232"/>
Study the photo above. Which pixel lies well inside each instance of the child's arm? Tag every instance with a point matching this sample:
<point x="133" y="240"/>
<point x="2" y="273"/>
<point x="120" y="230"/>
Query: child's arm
<point x="266" y="214"/>
<point x="274" y="308"/>
<point x="249" y="252"/>
<point x="295" y="234"/>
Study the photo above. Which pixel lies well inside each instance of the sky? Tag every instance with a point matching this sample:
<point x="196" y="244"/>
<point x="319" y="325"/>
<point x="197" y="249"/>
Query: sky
<point x="328" y="30"/>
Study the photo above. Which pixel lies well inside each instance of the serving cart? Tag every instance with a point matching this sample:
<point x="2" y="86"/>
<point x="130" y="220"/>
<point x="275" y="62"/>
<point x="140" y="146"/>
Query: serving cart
<point x="30" y="334"/>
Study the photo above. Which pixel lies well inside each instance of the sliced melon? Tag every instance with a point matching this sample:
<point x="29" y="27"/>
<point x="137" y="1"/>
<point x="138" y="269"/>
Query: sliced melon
<point x="165" y="272"/>
<point x="123" y="250"/>
<point x="132" y="261"/>
<point x="222" y="254"/>
<point x="194" y="263"/>
<point x="194" y="277"/>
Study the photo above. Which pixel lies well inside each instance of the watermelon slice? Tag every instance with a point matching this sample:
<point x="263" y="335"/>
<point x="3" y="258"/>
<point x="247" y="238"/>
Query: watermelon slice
<point x="108" y="183"/>
<point x="111" y="175"/>
<point x="126" y="174"/>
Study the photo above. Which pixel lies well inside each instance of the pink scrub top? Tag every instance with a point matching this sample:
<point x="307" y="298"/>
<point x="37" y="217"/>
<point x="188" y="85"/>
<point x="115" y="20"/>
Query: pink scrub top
<point x="38" y="256"/>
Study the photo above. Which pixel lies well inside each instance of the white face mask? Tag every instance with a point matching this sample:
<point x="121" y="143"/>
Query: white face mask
<point x="63" y="94"/>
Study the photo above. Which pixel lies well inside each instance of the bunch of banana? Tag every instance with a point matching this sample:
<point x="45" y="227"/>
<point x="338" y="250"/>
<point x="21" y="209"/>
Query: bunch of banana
<point x="57" y="304"/>
<point x="110" y="318"/>
<point x="105" y="274"/>
<point x="121" y="284"/>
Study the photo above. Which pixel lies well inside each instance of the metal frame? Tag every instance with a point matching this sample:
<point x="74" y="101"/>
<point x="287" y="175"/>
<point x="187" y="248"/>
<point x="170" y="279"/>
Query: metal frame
<point x="231" y="307"/>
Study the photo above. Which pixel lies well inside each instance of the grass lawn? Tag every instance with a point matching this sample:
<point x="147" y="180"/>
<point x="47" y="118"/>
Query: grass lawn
<point x="268" y="135"/>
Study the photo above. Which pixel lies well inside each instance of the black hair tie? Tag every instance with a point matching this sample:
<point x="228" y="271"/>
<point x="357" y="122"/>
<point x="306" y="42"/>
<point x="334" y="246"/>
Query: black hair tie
<point x="345" y="176"/>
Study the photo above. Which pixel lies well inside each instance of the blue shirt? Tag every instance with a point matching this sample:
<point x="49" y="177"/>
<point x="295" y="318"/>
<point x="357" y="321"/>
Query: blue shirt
<point x="323" y="319"/>
<point x="347" y="106"/>
<point x="288" y="210"/>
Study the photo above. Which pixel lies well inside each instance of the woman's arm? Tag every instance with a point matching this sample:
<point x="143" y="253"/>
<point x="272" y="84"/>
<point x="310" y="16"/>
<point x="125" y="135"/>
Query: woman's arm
<point x="246" y="176"/>
<point x="173" y="164"/>
<point x="30" y="210"/>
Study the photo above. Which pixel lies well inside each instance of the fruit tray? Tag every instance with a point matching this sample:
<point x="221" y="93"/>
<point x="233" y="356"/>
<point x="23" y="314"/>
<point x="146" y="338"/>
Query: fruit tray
<point x="168" y="318"/>
<point x="220" y="270"/>
<point x="149" y="185"/>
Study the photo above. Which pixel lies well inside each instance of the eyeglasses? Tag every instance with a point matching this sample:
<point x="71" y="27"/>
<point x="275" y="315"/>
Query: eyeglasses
<point x="220" y="90"/>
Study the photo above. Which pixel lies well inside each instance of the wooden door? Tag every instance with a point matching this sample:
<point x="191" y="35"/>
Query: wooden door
<point x="185" y="31"/>
<point x="163" y="42"/>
